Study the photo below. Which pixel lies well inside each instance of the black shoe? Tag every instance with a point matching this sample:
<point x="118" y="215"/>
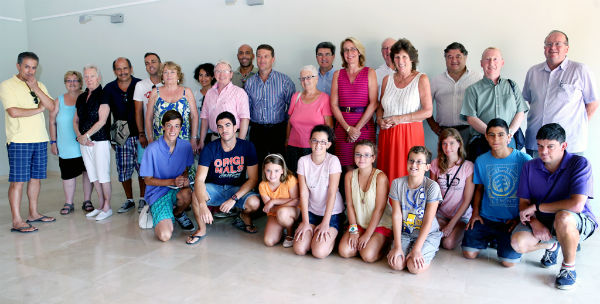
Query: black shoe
<point x="185" y="222"/>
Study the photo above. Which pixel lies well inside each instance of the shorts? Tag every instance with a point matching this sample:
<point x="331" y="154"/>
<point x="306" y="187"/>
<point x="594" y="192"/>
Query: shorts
<point x="387" y="232"/>
<point x="336" y="221"/>
<point x="97" y="161"/>
<point x="127" y="159"/>
<point x="430" y="246"/>
<point x="464" y="219"/>
<point x="70" y="167"/>
<point x="218" y="194"/>
<point x="481" y="235"/>
<point x="27" y="161"/>
<point x="162" y="209"/>
<point x="585" y="225"/>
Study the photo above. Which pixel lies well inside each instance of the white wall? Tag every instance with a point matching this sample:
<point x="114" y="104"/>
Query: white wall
<point x="191" y="32"/>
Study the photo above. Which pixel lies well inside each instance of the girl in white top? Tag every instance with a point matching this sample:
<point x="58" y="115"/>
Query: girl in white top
<point x="454" y="174"/>
<point x="321" y="203"/>
<point x="369" y="215"/>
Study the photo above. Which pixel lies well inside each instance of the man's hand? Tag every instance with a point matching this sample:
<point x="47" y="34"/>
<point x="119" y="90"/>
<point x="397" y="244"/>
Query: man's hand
<point x="54" y="149"/>
<point x="227" y="205"/>
<point x="181" y="181"/>
<point x="205" y="214"/>
<point x="526" y="214"/>
<point x="540" y="231"/>
<point x="143" y="141"/>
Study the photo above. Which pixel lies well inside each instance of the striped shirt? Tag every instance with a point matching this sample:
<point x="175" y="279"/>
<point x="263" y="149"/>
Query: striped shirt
<point x="269" y="100"/>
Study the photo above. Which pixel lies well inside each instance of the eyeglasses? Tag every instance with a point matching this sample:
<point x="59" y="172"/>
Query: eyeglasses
<point x="556" y="44"/>
<point x="319" y="142"/>
<point x="222" y="71"/>
<point x="366" y="155"/>
<point x="416" y="162"/>
<point x="35" y="98"/>
<point x="306" y="78"/>
<point x="386" y="48"/>
<point x="352" y="49"/>
<point x="72" y="81"/>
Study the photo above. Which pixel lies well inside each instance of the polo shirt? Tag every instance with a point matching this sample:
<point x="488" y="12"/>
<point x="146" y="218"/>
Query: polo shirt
<point x="159" y="162"/>
<point x="122" y="105"/>
<point x="232" y="99"/>
<point x="240" y="80"/>
<point x="449" y="94"/>
<point x="573" y="176"/>
<point x="269" y="100"/>
<point x="14" y="93"/>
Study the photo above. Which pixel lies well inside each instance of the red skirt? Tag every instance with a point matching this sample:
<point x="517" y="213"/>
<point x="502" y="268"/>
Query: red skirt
<point x="394" y="144"/>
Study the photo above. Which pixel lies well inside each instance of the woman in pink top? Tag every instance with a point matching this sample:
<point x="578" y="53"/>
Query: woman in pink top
<point x="454" y="174"/>
<point x="307" y="109"/>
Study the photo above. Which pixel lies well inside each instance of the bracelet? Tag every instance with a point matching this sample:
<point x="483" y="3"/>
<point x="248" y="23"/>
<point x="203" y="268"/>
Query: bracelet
<point x="348" y="129"/>
<point x="235" y="198"/>
<point x="52" y="141"/>
<point x="88" y="136"/>
<point x="353" y="229"/>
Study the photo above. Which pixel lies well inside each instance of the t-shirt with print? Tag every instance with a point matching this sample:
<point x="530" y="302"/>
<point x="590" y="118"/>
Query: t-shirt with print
<point x="317" y="181"/>
<point x="414" y="201"/>
<point x="228" y="168"/>
<point x="454" y="196"/>
<point x="500" y="180"/>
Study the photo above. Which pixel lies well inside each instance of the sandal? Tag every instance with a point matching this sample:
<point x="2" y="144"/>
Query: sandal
<point x="239" y="224"/>
<point x="67" y="208"/>
<point x="194" y="239"/>
<point x="87" y="206"/>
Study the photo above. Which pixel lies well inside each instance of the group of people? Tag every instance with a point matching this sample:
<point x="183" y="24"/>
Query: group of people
<point x="312" y="146"/>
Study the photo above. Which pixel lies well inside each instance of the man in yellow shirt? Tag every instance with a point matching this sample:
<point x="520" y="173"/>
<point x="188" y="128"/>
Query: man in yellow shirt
<point x="24" y="100"/>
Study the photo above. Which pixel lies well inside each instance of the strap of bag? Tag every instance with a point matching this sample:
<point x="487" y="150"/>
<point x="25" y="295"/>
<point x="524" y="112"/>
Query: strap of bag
<point x="452" y="181"/>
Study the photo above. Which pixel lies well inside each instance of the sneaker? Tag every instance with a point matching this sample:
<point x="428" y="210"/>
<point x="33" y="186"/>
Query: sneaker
<point x="566" y="279"/>
<point x="128" y="204"/>
<point x="185" y="222"/>
<point x="104" y="215"/>
<point x="141" y="205"/>
<point x="550" y="257"/>
<point x="93" y="213"/>
<point x="288" y="242"/>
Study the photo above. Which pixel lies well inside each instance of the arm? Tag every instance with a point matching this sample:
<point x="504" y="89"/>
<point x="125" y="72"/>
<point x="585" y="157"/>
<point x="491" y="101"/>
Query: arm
<point x="203" y="132"/>
<point x="45" y="100"/>
<point x="150" y="115"/>
<point x="428" y="218"/>
<point x="304" y="224"/>
<point x="380" y="201"/>
<point x="396" y="255"/>
<point x="591" y="107"/>
<point x="526" y="214"/>
<point x="353" y="237"/>
<point x="15" y="112"/>
<point x="379" y="114"/>
<point x="515" y="124"/>
<point x="328" y="121"/>
<point x="103" y="113"/>
<point x="288" y="129"/>
<point x="139" y="122"/>
<point x="372" y="106"/>
<point x="477" y="124"/>
<point x="52" y="128"/>
<point x="244" y="188"/>
<point x="282" y="202"/>
<point x="334" y="101"/>
<point x="322" y="230"/>
<point x="476" y="206"/>
<point x="201" y="196"/>
<point x="244" y="122"/>
<point x="467" y="196"/>
<point x="194" y="120"/>
<point x="426" y="106"/>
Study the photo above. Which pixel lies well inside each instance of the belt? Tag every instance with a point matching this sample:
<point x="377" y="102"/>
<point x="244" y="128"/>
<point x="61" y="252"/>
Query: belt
<point x="458" y="128"/>
<point x="353" y="109"/>
<point x="268" y="125"/>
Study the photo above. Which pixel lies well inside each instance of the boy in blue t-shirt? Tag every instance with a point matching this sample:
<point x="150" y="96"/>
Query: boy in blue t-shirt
<point x="495" y="203"/>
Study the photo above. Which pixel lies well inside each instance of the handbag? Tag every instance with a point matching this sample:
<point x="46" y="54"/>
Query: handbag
<point x="119" y="132"/>
<point x="145" y="219"/>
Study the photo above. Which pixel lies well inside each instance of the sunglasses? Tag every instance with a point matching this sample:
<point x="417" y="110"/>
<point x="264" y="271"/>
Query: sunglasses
<point x="35" y="98"/>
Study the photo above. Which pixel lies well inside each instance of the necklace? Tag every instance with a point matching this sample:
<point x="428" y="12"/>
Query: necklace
<point x="361" y="193"/>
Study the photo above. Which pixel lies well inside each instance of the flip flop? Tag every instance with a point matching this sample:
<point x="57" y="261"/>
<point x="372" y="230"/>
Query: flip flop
<point x="67" y="208"/>
<point x="22" y="229"/>
<point x="195" y="239"/>
<point x="41" y="219"/>
<point x="239" y="224"/>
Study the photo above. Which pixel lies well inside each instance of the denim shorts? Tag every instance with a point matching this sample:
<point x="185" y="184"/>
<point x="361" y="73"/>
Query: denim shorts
<point x="218" y="194"/>
<point x="162" y="209"/>
<point x="585" y="225"/>
<point x="481" y="235"/>
<point x="27" y="161"/>
<point x="336" y="221"/>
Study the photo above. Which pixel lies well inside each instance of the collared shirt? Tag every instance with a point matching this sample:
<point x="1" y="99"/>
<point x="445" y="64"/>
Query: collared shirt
<point x="269" y="100"/>
<point x="449" y="94"/>
<point x="142" y="92"/>
<point x="14" y="93"/>
<point x="121" y="103"/>
<point x="88" y="113"/>
<point x="324" y="84"/>
<point x="573" y="176"/>
<point x="486" y="101"/>
<point x="240" y="80"/>
<point x="232" y="99"/>
<point x="159" y="162"/>
<point x="560" y="96"/>
<point x="382" y="71"/>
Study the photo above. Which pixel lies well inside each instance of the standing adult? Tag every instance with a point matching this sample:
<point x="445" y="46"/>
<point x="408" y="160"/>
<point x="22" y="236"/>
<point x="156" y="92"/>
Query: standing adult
<point x="308" y="108"/>
<point x="405" y="103"/>
<point x="224" y="96"/>
<point x="562" y="91"/>
<point x="388" y="63"/>
<point x="269" y="94"/>
<point x="246" y="69"/>
<point x="63" y="142"/>
<point x="91" y="123"/>
<point x="119" y="96"/>
<point x="205" y="75"/>
<point x="489" y="98"/>
<point x="325" y="52"/>
<point x="140" y="95"/>
<point x="353" y="100"/>
<point x="24" y="100"/>
<point x="448" y="91"/>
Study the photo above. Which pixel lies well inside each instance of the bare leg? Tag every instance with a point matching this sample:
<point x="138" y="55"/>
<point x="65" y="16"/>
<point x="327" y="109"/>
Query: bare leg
<point x="142" y="187"/>
<point x="164" y="230"/>
<point x="105" y="189"/>
<point x="127" y="188"/>
<point x="567" y="235"/>
<point x="69" y="187"/>
<point x="344" y="249"/>
<point x="455" y="236"/>
<point x="414" y="270"/>
<point x="374" y="249"/>
<point x="33" y="193"/>
<point x="302" y="246"/>
<point x="184" y="199"/>
<point x="15" y="192"/>
<point x="201" y="225"/>
<point x="273" y="231"/>
<point x="321" y="249"/>
<point x="524" y="241"/>
<point x="286" y="216"/>
<point x="87" y="187"/>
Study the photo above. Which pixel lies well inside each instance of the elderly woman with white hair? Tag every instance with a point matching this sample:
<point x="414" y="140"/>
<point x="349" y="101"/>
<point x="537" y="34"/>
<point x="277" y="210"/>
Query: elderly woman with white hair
<point x="93" y="135"/>
<point x="223" y="96"/>
<point x="308" y="108"/>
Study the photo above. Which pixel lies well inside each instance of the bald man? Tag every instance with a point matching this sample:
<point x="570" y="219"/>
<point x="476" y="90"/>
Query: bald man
<point x="246" y="69"/>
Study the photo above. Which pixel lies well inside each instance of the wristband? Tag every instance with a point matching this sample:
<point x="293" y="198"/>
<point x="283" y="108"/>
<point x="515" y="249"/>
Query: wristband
<point x="52" y="141"/>
<point x="235" y="198"/>
<point x="348" y="129"/>
<point x="353" y="229"/>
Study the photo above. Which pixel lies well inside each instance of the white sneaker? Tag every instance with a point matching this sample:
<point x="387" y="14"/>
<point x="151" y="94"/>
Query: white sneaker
<point x="288" y="242"/>
<point x="93" y="213"/>
<point x="104" y="215"/>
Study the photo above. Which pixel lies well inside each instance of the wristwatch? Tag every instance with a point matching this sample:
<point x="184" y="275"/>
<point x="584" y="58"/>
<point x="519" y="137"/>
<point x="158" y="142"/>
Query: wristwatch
<point x="235" y="198"/>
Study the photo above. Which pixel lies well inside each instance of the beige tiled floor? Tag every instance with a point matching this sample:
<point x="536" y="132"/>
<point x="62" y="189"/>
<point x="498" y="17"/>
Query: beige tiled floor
<point x="76" y="260"/>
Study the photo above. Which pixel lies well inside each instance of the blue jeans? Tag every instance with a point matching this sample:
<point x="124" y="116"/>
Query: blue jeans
<point x="335" y="221"/>
<point x="218" y="194"/>
<point x="480" y="235"/>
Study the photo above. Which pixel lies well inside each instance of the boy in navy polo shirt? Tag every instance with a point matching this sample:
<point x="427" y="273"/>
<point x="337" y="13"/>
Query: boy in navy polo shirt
<point x="555" y="191"/>
<point x="164" y="167"/>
